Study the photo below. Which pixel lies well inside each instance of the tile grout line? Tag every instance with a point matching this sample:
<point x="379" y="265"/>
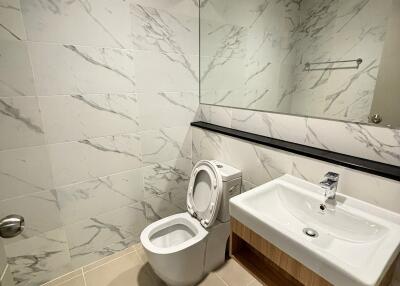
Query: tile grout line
<point x="109" y="261"/>
<point x="138" y="256"/>
<point x="131" y="49"/>
<point x="83" y="272"/>
<point x="83" y="275"/>
<point x="251" y="282"/>
<point x="59" y="277"/>
<point x="223" y="281"/>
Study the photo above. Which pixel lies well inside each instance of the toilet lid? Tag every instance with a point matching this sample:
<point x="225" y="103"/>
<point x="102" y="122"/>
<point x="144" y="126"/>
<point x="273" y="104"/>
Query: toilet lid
<point x="204" y="193"/>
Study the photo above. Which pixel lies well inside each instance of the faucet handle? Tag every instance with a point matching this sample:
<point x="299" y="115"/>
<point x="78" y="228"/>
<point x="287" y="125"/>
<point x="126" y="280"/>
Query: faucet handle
<point x="332" y="176"/>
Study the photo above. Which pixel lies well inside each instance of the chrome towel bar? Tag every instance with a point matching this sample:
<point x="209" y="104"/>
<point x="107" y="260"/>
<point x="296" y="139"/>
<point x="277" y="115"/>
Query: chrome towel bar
<point x="307" y="66"/>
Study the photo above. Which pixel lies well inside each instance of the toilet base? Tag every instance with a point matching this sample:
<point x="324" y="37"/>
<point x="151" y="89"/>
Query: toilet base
<point x="187" y="265"/>
<point x="217" y="240"/>
<point x="185" y="271"/>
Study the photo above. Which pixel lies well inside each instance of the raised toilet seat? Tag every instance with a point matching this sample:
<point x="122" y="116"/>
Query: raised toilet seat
<point x="181" y="248"/>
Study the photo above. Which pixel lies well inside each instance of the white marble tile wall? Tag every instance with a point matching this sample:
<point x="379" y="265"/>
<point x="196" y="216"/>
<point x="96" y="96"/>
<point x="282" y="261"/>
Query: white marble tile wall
<point x="369" y="142"/>
<point x="96" y="98"/>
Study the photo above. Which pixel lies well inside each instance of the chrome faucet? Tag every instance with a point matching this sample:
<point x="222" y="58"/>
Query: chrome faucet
<point x="329" y="184"/>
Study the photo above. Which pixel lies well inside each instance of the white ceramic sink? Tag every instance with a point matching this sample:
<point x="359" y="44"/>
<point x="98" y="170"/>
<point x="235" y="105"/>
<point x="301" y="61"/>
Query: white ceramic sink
<point x="356" y="241"/>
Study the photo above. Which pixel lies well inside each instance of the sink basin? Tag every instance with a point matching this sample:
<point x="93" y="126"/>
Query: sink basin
<point x="350" y="243"/>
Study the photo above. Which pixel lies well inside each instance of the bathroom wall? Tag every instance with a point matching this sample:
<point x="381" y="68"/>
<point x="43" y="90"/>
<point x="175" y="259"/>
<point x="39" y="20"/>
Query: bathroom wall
<point x="253" y="55"/>
<point x="365" y="141"/>
<point x="96" y="98"/>
<point x="5" y="272"/>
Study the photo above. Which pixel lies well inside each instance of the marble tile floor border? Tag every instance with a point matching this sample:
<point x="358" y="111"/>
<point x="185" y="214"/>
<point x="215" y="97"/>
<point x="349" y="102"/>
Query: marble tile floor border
<point x="130" y="267"/>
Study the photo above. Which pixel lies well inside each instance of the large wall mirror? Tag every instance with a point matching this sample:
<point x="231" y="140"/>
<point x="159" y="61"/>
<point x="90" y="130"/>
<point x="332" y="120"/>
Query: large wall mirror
<point x="335" y="59"/>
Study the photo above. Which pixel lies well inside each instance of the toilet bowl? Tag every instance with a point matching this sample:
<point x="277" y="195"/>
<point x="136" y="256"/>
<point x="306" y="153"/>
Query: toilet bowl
<point x="182" y="248"/>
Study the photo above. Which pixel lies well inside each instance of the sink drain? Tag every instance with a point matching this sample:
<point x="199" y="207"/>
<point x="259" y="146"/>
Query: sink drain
<point x="310" y="232"/>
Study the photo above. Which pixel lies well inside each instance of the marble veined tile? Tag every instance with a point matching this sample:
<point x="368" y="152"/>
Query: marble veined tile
<point x="126" y="147"/>
<point x="40" y="210"/>
<point x="69" y="69"/>
<point x="166" y="71"/>
<point x="237" y="12"/>
<point x="249" y="121"/>
<point x="24" y="171"/>
<point x="266" y="164"/>
<point x="96" y="157"/>
<point x="70" y="22"/>
<point x="219" y="39"/>
<point x="182" y="7"/>
<point x="370" y="142"/>
<point x="77" y="117"/>
<point x="157" y="208"/>
<point x="166" y="144"/>
<point x="246" y="186"/>
<point x="163" y="31"/>
<point x="208" y="146"/>
<point x="95" y="197"/>
<point x="229" y="97"/>
<point x="258" y="98"/>
<point x="168" y="177"/>
<point x="259" y="164"/>
<point x="314" y="170"/>
<point x="279" y="126"/>
<point x="216" y="115"/>
<point x="20" y="120"/>
<point x="178" y="199"/>
<point x="102" y="235"/>
<point x="39" y="259"/>
<point x="16" y="78"/>
<point x="373" y="189"/>
<point x="11" y="24"/>
<point x="218" y="73"/>
<point x="167" y="109"/>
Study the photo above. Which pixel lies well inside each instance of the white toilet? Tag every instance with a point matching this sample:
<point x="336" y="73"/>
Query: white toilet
<point x="182" y="248"/>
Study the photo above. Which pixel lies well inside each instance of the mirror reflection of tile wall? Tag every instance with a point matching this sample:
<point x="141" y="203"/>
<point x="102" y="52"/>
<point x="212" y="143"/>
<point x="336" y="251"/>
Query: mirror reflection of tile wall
<point x="253" y="54"/>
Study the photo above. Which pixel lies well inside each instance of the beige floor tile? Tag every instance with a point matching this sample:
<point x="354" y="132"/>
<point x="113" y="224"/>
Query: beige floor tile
<point x="135" y="246"/>
<point x="156" y="281"/>
<point x="109" y="258"/>
<point x="233" y="274"/>
<point x="123" y="271"/>
<point x="72" y="277"/>
<point x="141" y="253"/>
<point x="255" y="283"/>
<point x="77" y="281"/>
<point x="212" y="280"/>
<point x="130" y="268"/>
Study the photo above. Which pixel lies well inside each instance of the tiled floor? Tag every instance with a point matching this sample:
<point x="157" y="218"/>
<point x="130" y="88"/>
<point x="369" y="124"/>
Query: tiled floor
<point x="130" y="268"/>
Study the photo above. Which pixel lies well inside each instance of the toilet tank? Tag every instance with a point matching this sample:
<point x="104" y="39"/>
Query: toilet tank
<point x="232" y="181"/>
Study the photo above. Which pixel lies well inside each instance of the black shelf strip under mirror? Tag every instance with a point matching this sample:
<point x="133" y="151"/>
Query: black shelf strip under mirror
<point x="360" y="164"/>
